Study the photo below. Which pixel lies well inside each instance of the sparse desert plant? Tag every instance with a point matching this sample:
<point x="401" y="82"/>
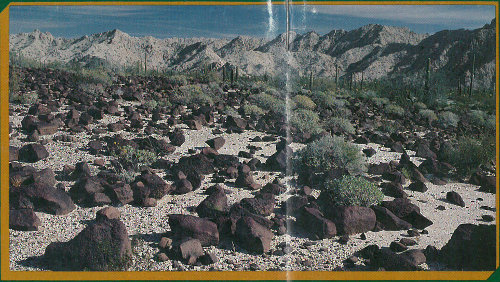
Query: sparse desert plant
<point x="342" y="124"/>
<point x="428" y="115"/>
<point x="380" y="101"/>
<point x="177" y="79"/>
<point x="14" y="81"/>
<point x="468" y="153"/>
<point x="270" y="103"/>
<point x="193" y="95"/>
<point x="151" y="104"/>
<point x="367" y="94"/>
<point x="135" y="157"/>
<point x="92" y="76"/>
<point x="394" y="110"/>
<point x="305" y="121"/>
<point x="420" y="106"/>
<point x="304" y="102"/>
<point x="252" y="110"/>
<point x="482" y="119"/>
<point x="448" y="119"/>
<point x="230" y="111"/>
<point x="350" y="191"/>
<point x="328" y="153"/>
<point x="27" y="98"/>
<point x="93" y="89"/>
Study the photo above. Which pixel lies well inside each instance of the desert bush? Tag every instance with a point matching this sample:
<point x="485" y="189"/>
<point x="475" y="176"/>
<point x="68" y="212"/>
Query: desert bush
<point x="482" y="119"/>
<point x="135" y="157"/>
<point x="350" y="191"/>
<point x="252" y="110"/>
<point x="304" y="102"/>
<point x="327" y="153"/>
<point x="177" y="79"/>
<point x="92" y="76"/>
<point x="93" y="89"/>
<point x="270" y="103"/>
<point x="394" y="110"/>
<point x="468" y="153"/>
<point x="192" y="95"/>
<point x="230" y="111"/>
<point x="341" y="123"/>
<point x="305" y="121"/>
<point x="380" y="101"/>
<point x="150" y="104"/>
<point x="428" y="115"/>
<point x="448" y="119"/>
<point x="420" y="106"/>
<point x="27" y="98"/>
<point x="367" y="94"/>
<point x="14" y="81"/>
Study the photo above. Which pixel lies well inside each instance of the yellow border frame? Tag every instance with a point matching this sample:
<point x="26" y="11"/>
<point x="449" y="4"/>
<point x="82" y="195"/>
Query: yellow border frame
<point x="7" y="274"/>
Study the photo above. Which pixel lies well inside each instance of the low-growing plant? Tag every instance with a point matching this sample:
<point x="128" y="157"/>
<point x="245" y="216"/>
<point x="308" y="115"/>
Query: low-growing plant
<point x="270" y="103"/>
<point x="468" y="153"/>
<point x="482" y="119"/>
<point x="380" y="101"/>
<point x="27" y="98"/>
<point x="304" y="102"/>
<point x="350" y="191"/>
<point x="135" y="157"/>
<point x="150" y="104"/>
<point x="177" y="79"/>
<point x="193" y="95"/>
<point x="328" y="153"/>
<point x="448" y="119"/>
<point x="93" y="89"/>
<point x="230" y="111"/>
<point x="428" y="115"/>
<point x="394" y="110"/>
<point x="420" y="106"/>
<point x="342" y="124"/>
<point x="252" y="110"/>
<point x="305" y="121"/>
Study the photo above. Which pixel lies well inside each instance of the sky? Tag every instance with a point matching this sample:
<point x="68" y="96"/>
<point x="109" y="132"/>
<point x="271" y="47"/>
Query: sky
<point x="230" y="21"/>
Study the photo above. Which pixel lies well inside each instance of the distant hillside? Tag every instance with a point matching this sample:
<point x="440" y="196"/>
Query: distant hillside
<point x="376" y="50"/>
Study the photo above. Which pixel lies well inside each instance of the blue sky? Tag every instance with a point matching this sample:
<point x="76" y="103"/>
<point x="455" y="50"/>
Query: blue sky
<point x="230" y="21"/>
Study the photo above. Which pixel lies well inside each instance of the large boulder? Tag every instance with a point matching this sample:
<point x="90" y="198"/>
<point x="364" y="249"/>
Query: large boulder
<point x="313" y="221"/>
<point x="407" y="261"/>
<point x="260" y="205"/>
<point x="400" y="207"/>
<point x="471" y="247"/>
<point x="32" y="153"/>
<point x="24" y="220"/>
<point x="102" y="246"/>
<point x="352" y="219"/>
<point x="388" y="221"/>
<point x="213" y="205"/>
<point x="253" y="236"/>
<point x="195" y="227"/>
<point x="45" y="198"/>
<point x="188" y="249"/>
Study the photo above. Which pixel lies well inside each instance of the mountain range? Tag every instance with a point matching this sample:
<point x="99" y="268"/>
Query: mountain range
<point x="375" y="50"/>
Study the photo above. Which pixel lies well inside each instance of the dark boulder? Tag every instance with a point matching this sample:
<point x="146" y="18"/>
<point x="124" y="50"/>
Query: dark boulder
<point x="471" y="247"/>
<point x="313" y="221"/>
<point x="102" y="246"/>
<point x="23" y="219"/>
<point x="253" y="236"/>
<point x="213" y="205"/>
<point x="263" y="206"/>
<point x="352" y="219"/>
<point x="46" y="198"/>
<point x="195" y="227"/>
<point x="216" y="143"/>
<point x="32" y="153"/>
<point x="388" y="221"/>
<point x="455" y="198"/>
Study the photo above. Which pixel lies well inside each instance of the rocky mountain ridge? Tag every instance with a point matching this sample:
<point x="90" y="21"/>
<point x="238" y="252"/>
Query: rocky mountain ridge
<point x="376" y="50"/>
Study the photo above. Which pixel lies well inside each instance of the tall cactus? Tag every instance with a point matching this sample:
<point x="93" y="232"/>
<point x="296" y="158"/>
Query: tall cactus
<point x="232" y="77"/>
<point x="311" y="81"/>
<point x="224" y="74"/>
<point x="236" y="74"/>
<point x="472" y="71"/>
<point x="362" y="78"/>
<point x="428" y="76"/>
<point x="350" y="82"/>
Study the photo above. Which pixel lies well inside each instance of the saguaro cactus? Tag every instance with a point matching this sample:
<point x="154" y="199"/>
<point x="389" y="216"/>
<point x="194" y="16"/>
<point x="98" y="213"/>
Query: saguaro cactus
<point x="428" y="76"/>
<point x="472" y="71"/>
<point x="311" y="81"/>
<point x="362" y="78"/>
<point x="236" y="74"/>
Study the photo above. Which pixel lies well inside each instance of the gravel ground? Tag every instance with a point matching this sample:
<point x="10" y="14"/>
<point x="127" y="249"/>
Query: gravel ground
<point x="146" y="225"/>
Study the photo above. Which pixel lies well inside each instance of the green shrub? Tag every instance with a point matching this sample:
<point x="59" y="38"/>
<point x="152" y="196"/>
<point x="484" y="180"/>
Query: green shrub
<point x="305" y="121"/>
<point x="270" y="103"/>
<point x="394" y="110"/>
<point x="27" y="98"/>
<point x="491" y="123"/>
<point x="177" y="79"/>
<point x="367" y="94"/>
<point x="14" y="81"/>
<point x="341" y="123"/>
<point x="136" y="157"/>
<point x="380" y="101"/>
<point x="351" y="191"/>
<point x="448" y="119"/>
<point x="482" y="119"/>
<point x="329" y="153"/>
<point x="230" y="111"/>
<point x="92" y="76"/>
<point x="193" y="95"/>
<point x="420" y="106"/>
<point x="93" y="89"/>
<point x="428" y="115"/>
<point x="467" y="154"/>
<point x="150" y="104"/>
<point x="302" y="101"/>
<point x="252" y="110"/>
